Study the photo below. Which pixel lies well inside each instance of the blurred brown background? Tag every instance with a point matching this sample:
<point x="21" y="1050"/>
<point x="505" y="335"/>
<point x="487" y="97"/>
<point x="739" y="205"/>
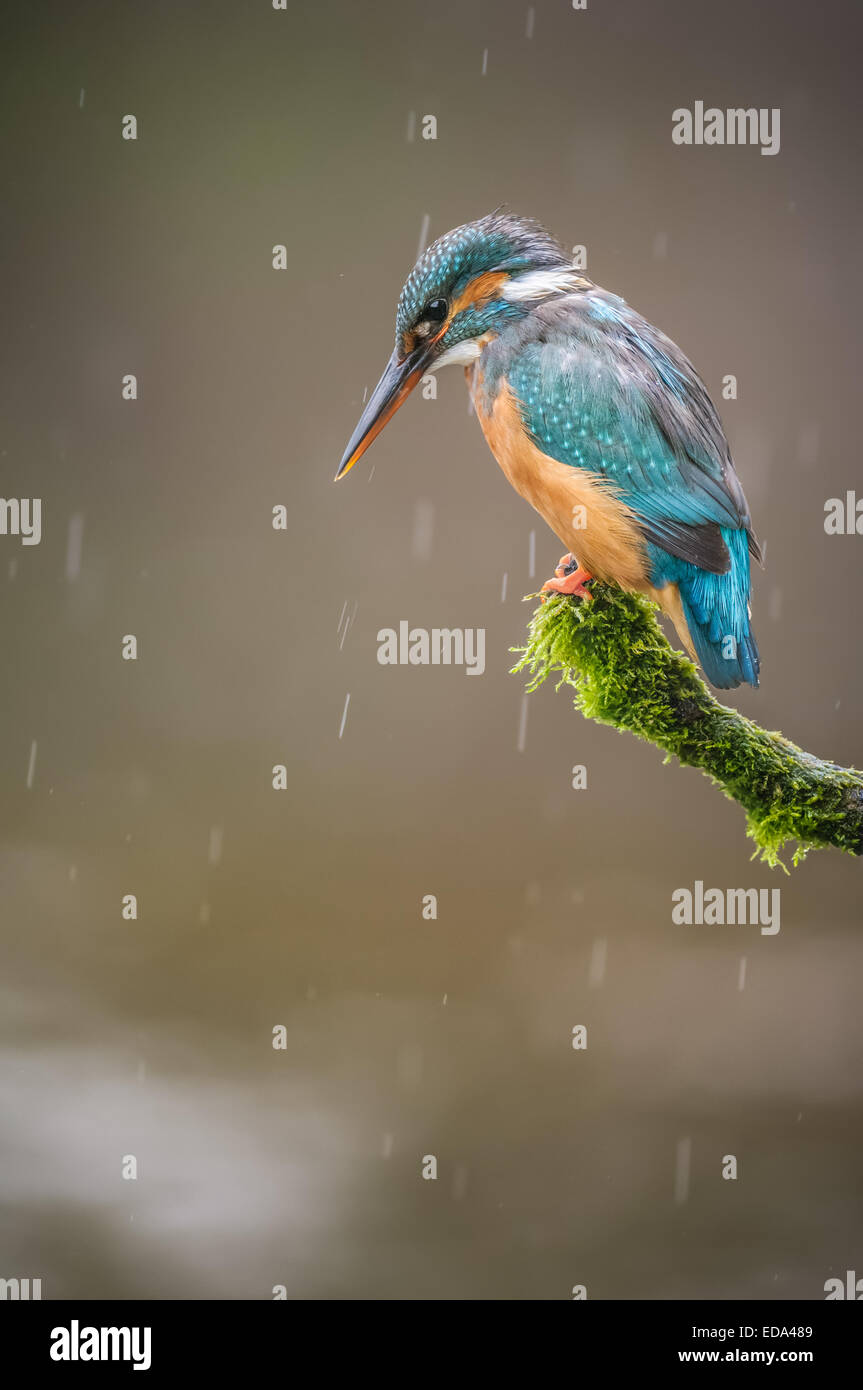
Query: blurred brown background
<point x="405" y="1037"/>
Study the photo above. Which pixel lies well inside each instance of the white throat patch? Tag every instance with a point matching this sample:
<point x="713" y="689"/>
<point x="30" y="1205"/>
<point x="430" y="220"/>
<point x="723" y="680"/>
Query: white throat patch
<point x="460" y="354"/>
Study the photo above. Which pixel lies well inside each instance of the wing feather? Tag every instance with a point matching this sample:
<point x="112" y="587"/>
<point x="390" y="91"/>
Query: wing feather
<point x="602" y="389"/>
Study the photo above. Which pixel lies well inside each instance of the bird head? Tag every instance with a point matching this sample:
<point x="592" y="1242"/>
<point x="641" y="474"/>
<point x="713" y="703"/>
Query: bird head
<point x="462" y="292"/>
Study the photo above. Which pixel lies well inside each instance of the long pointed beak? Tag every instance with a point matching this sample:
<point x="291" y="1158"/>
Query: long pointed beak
<point x="399" y="379"/>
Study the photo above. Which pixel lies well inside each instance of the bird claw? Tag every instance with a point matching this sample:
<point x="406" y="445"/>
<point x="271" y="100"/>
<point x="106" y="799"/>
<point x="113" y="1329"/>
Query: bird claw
<point x="570" y="578"/>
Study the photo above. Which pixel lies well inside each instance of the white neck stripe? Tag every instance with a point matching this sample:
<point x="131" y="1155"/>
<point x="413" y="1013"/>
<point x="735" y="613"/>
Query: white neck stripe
<point x="538" y="284"/>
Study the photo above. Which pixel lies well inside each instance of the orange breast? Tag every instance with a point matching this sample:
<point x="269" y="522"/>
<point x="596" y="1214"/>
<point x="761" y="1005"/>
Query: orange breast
<point x="584" y="511"/>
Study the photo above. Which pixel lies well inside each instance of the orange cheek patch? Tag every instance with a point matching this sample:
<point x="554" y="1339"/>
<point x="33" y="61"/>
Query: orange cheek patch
<point x="478" y="291"/>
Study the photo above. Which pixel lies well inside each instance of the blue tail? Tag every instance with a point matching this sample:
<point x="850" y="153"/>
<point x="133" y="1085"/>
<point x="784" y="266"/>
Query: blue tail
<point x="716" y="607"/>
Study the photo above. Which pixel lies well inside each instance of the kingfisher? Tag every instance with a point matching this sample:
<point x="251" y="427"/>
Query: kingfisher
<point x="597" y="419"/>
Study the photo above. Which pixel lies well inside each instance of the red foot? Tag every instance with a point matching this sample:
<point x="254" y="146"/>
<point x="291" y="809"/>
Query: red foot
<point x="571" y="579"/>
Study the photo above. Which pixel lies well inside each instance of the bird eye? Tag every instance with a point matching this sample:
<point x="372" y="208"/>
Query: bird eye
<point x="434" y="311"/>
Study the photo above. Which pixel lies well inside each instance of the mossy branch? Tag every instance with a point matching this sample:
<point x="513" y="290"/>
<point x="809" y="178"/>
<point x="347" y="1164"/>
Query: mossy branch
<point x="613" y="652"/>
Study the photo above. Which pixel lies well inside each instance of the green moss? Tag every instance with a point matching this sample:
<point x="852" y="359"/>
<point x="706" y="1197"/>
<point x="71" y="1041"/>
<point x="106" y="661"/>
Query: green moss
<point x="613" y="652"/>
